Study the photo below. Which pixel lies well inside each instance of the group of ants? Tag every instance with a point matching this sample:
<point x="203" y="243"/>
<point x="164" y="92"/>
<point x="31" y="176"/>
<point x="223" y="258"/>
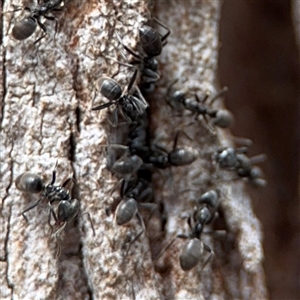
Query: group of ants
<point x="141" y="156"/>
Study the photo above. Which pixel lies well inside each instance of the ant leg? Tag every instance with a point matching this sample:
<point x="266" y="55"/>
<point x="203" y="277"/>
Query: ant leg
<point x="209" y="127"/>
<point x="171" y="86"/>
<point x="43" y="27"/>
<point x="258" y="159"/>
<point x="121" y="63"/>
<point x="91" y="222"/>
<point x="51" y="213"/>
<point x="243" y="141"/>
<point x="18" y="8"/>
<point x="211" y="253"/>
<point x="128" y="119"/>
<point x="164" y="249"/>
<point x="178" y="132"/>
<point x="182" y="236"/>
<point x="140" y="219"/>
<point x="131" y="51"/>
<point x="58" y="251"/>
<point x="242" y="150"/>
<point x="54" y="174"/>
<point x="102" y="106"/>
<point x="115" y="118"/>
<point x="164" y="37"/>
<point x="117" y="146"/>
<point x="120" y="182"/>
<point x="218" y="95"/>
<point x="132" y="80"/>
<point x="31" y="206"/>
<point x="203" y="100"/>
<point x="151" y="207"/>
<point x="55" y="20"/>
<point x="141" y="97"/>
<point x="57" y="233"/>
<point x="69" y="181"/>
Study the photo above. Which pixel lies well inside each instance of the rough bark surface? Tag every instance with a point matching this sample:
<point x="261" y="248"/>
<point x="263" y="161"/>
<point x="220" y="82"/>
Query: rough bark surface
<point x="47" y="94"/>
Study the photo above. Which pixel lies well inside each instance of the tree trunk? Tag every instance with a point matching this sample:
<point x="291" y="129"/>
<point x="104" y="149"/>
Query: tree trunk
<point x="48" y="90"/>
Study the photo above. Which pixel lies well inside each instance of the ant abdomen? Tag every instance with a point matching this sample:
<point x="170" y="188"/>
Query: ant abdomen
<point x="191" y="254"/>
<point x="67" y="210"/>
<point x="109" y="88"/>
<point x="29" y="183"/>
<point x="24" y="28"/>
<point x="183" y="156"/>
<point x="126" y="211"/>
<point x="223" y="119"/>
<point x="150" y="40"/>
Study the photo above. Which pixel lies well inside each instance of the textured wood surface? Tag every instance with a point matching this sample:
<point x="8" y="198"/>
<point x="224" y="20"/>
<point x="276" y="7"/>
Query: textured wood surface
<point x="46" y="117"/>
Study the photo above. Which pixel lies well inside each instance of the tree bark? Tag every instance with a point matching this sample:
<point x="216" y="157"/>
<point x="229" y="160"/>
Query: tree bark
<point x="48" y="90"/>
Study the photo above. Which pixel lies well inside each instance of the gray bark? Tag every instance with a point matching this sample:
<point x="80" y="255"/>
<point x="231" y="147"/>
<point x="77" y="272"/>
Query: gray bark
<point x="47" y="94"/>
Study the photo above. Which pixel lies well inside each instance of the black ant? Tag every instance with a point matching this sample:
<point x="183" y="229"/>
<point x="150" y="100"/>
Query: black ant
<point x="24" y="28"/>
<point x="131" y="106"/>
<point x="151" y="42"/>
<point x="162" y="159"/>
<point x="127" y="164"/>
<point x="180" y="100"/>
<point x="32" y="183"/>
<point x="235" y="159"/>
<point x="67" y="208"/>
<point x="138" y="138"/>
<point x="134" y="193"/>
<point x="193" y="249"/>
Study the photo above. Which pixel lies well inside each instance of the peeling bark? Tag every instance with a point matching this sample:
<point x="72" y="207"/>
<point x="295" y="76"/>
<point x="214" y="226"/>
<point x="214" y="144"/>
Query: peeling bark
<point x="48" y="91"/>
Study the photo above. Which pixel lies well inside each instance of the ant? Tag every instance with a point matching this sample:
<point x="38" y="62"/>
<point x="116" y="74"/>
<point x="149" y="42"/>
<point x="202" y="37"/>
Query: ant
<point x="130" y="106"/>
<point x="151" y="42"/>
<point x="32" y="183"/>
<point x="67" y="208"/>
<point x="193" y="249"/>
<point x="236" y="159"/>
<point x="180" y="100"/>
<point x="127" y="164"/>
<point x="162" y="159"/>
<point x="138" y="137"/>
<point x="24" y="28"/>
<point x="133" y="192"/>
